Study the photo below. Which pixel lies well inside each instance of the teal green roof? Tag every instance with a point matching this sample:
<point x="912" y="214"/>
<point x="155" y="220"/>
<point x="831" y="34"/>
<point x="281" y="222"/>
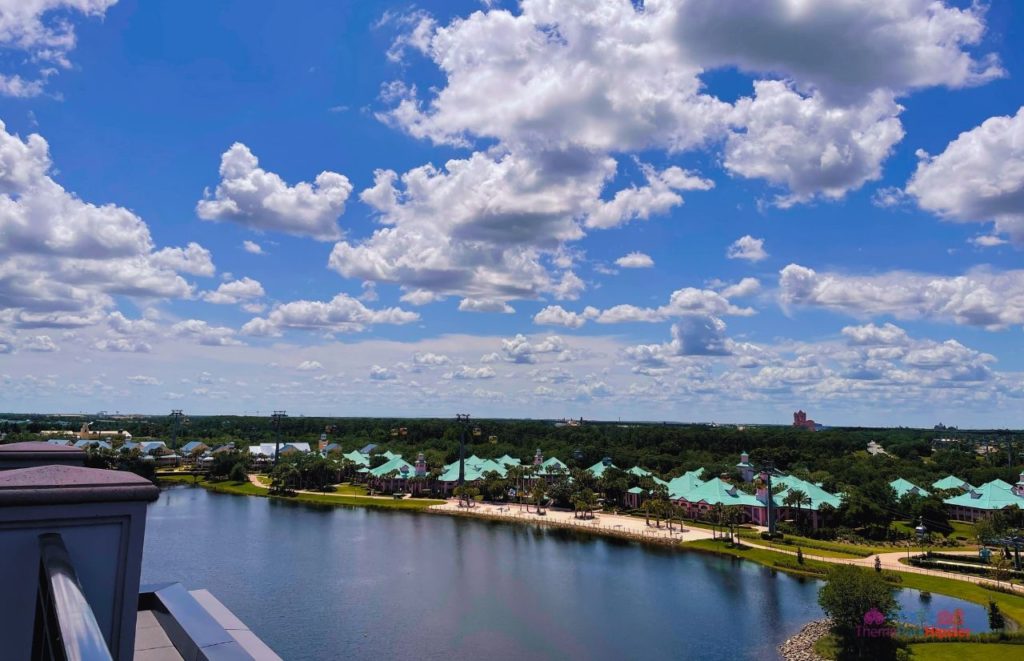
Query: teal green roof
<point x="636" y="490"/>
<point x="903" y="487"/>
<point x="395" y="464"/>
<point x="476" y="468"/>
<point x="389" y="455"/>
<point x="658" y="480"/>
<point x="552" y="465"/>
<point x="639" y="472"/>
<point x="717" y="492"/>
<point x="598" y="469"/>
<point x="508" y="461"/>
<point x="950" y="482"/>
<point x="989" y="496"/>
<point x="682" y="485"/>
<point x="358" y="458"/>
<point x="817" y="495"/>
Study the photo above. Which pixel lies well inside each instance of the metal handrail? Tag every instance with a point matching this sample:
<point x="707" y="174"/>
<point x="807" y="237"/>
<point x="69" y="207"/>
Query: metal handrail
<point x="66" y="627"/>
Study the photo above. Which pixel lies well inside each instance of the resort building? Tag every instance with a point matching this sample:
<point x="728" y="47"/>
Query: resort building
<point x="951" y="482"/>
<point x="982" y="501"/>
<point x="903" y="487"/>
<point x="598" y="469"/>
<point x="358" y="458"/>
<point x="702" y="499"/>
<point x="745" y="468"/>
<point x="814" y="497"/>
<point x="392" y="475"/>
<point x="265" y="451"/>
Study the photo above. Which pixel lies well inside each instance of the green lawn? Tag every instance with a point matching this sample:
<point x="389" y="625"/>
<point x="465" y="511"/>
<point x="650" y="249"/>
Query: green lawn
<point x="844" y="549"/>
<point x="958" y="651"/>
<point x="249" y="489"/>
<point x="349" y="490"/>
<point x="768" y="558"/>
<point x="813" y="546"/>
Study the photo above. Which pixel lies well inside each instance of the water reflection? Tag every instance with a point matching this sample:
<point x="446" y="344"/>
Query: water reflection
<point x="331" y="583"/>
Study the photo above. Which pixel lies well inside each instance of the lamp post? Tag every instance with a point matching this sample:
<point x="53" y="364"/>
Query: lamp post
<point x="463" y="420"/>
<point x="176" y="416"/>
<point x="277" y="417"/>
<point x="766" y="469"/>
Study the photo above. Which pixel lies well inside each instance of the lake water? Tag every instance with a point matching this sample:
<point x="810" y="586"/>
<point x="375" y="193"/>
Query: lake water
<point x="334" y="583"/>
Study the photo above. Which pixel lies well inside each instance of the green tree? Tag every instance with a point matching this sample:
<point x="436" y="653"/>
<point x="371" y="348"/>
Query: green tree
<point x="238" y="473"/>
<point x="996" y="621"/>
<point x="537" y="495"/>
<point x="849" y="594"/>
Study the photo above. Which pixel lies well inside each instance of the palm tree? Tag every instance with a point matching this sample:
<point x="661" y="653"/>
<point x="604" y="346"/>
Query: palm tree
<point x="732" y="516"/>
<point x="717" y="517"/>
<point x="538" y="496"/>
<point x="798" y="498"/>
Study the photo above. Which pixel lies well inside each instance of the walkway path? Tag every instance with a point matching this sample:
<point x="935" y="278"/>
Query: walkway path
<point x="602" y="523"/>
<point x="891" y="562"/>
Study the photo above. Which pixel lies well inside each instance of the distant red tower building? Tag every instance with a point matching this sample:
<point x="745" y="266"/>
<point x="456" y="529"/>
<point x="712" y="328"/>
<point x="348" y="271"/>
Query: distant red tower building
<point x="800" y="420"/>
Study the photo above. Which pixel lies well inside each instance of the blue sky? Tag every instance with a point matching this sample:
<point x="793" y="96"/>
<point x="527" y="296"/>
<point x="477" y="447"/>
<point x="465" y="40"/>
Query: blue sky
<point x="818" y="205"/>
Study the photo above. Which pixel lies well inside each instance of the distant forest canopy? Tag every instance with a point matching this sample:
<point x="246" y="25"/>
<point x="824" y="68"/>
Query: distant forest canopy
<point x="834" y="456"/>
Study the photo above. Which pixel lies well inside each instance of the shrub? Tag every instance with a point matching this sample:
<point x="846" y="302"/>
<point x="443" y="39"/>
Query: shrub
<point x="238" y="473"/>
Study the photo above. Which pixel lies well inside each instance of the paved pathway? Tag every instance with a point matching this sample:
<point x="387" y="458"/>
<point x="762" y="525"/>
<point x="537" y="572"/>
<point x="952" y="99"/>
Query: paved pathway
<point x="891" y="562"/>
<point x="609" y="524"/>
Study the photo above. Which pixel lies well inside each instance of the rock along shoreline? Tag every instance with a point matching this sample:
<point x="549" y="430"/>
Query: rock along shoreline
<point x="800" y="647"/>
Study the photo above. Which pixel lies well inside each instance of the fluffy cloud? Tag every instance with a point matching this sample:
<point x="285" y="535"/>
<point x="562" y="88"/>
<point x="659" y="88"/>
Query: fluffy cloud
<point x="236" y="291"/>
<point x="657" y="197"/>
<point x="990" y="299"/>
<point x="201" y="332"/>
<point x="251" y="196"/>
<point x="193" y="259"/>
<point x="748" y="248"/>
<point x="123" y="345"/>
<point x="616" y="77"/>
<point x="979" y="177"/>
<point x="846" y="48"/>
<point x="252" y="247"/>
<point x="466" y="372"/>
<point x="40" y="343"/>
<point x="521" y="349"/>
<point x="341" y="314"/>
<point x="809" y="147"/>
<point x="309" y="366"/>
<point x="556" y="315"/>
<point x="635" y="260"/>
<point x="62" y="257"/>
<point x="872" y="335"/>
<point x="487" y="228"/>
<point x="31" y="26"/>
<point x="688" y="301"/>
<point x="563" y="74"/>
<point x="378" y="373"/>
<point x="430" y="359"/>
<point x="485" y="305"/>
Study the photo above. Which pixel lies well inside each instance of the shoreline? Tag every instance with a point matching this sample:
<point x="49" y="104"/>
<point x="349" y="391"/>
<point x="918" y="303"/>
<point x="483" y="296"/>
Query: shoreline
<point x="692" y="540"/>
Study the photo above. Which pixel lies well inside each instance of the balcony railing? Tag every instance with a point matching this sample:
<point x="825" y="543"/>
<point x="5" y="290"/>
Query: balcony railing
<point x="65" y="626"/>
